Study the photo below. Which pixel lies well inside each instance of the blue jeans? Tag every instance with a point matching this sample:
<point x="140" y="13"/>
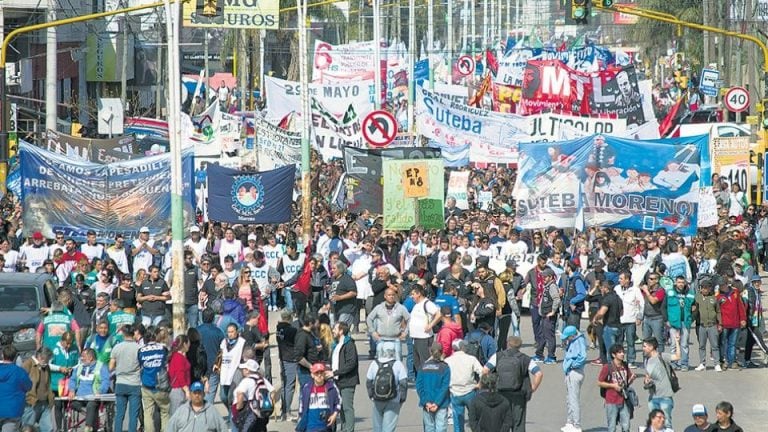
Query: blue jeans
<point x="385" y="415"/>
<point x="192" y="312"/>
<point x="288" y="298"/>
<point x="628" y="334"/>
<point x="39" y="414"/>
<point x="304" y="376"/>
<point x="654" y="327"/>
<point x="409" y="359"/>
<point x="213" y="384"/>
<point x="458" y="404"/>
<point x="610" y="335"/>
<point x="288" y="378"/>
<point x="728" y="345"/>
<point x="617" y="415"/>
<point x="273" y="298"/>
<point x="436" y="421"/>
<point x="151" y="320"/>
<point x="127" y="396"/>
<point x="684" y="334"/>
<point x="665" y="404"/>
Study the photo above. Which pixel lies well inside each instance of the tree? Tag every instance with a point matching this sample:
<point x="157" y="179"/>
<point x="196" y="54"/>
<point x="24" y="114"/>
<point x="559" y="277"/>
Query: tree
<point x="654" y="36"/>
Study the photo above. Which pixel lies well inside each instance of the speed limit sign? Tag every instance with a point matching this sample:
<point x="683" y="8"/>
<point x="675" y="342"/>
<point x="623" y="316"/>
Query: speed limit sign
<point x="737" y="99"/>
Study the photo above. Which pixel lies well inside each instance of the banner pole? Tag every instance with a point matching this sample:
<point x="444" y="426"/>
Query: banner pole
<point x="377" y="53"/>
<point x="411" y="67"/>
<point x="306" y="198"/>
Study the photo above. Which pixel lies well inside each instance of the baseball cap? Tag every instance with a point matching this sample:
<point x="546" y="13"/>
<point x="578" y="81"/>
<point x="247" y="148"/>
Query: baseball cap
<point x="699" y="410"/>
<point x="144" y="229"/>
<point x="37" y="235"/>
<point x="194" y="229"/>
<point x="251" y="365"/>
<point x="197" y="386"/>
<point x="739" y="262"/>
<point x="548" y="272"/>
<point x="568" y="332"/>
<point x="252" y="237"/>
<point x="317" y="367"/>
<point x="756" y="278"/>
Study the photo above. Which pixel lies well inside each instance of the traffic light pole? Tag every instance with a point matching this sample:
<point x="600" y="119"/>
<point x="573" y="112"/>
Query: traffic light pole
<point x="4" y="150"/>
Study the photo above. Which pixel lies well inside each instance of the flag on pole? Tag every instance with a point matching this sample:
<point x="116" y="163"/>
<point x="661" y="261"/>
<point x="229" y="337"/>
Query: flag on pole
<point x="490" y="59"/>
<point x="674" y="116"/>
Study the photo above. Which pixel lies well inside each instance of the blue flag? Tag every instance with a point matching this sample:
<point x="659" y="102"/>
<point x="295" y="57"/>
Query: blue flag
<point x="236" y="196"/>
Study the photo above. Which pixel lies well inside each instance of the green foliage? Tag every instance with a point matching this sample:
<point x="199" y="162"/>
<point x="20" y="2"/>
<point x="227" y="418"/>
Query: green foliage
<point x="654" y="36"/>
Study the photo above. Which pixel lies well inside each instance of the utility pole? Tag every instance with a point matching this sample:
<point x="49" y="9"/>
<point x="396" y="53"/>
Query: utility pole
<point x="124" y="61"/>
<point x="377" y="53"/>
<point x="449" y="30"/>
<point x="411" y="64"/>
<point x="306" y="114"/>
<point x="51" y="82"/>
<point x="205" y="67"/>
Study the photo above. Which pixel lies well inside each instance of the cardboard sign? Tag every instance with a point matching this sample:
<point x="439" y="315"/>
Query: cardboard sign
<point x="415" y="180"/>
<point x="431" y="213"/>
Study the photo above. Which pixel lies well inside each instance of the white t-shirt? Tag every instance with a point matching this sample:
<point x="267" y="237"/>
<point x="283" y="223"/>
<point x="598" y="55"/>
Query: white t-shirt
<point x="92" y="251"/>
<point x="34" y="256"/>
<point x="514" y="248"/>
<point x="53" y="248"/>
<point x="233" y="249"/>
<point x="143" y="259"/>
<point x="442" y="261"/>
<point x="411" y="251"/>
<point x="272" y="254"/>
<point x="420" y="319"/>
<point x="11" y="258"/>
<point x="197" y="247"/>
<point x="120" y="257"/>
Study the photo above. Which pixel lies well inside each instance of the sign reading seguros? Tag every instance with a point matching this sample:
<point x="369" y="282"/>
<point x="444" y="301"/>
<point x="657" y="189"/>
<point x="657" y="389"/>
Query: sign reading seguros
<point x="253" y="14"/>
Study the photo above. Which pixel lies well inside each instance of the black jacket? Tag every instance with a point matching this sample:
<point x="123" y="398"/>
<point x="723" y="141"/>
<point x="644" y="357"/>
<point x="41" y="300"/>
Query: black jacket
<point x="304" y="347"/>
<point x="490" y="412"/>
<point x="347" y="374"/>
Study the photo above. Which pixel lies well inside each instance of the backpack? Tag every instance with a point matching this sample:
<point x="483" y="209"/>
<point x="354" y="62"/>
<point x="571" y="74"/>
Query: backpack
<point x="674" y="382"/>
<point x="384" y="385"/>
<point x="475" y="349"/>
<point x="512" y="368"/>
<point x="262" y="404"/>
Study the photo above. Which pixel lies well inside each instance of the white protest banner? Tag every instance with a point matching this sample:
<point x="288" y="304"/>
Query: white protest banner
<point x="330" y="134"/>
<point x="730" y="159"/>
<point x="276" y="147"/>
<point x="457" y="188"/>
<point x="707" y="208"/>
<point x="511" y="67"/>
<point x="454" y="125"/>
<point x="547" y="127"/>
<point x="484" y="199"/>
<point x="341" y="60"/>
<point x="646" y="131"/>
<point x="455" y="93"/>
<point x="284" y="97"/>
<point x="525" y="262"/>
<point x="228" y="133"/>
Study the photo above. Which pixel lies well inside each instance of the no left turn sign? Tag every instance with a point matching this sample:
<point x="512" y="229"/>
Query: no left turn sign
<point x="379" y="128"/>
<point x="465" y="65"/>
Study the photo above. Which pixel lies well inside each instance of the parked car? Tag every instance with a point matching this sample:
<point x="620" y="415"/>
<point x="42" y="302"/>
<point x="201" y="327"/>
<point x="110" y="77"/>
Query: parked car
<point x="22" y="295"/>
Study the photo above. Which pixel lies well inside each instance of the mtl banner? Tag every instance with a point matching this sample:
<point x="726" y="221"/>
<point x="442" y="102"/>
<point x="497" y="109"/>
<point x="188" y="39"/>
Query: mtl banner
<point x="402" y="212"/>
<point x="236" y="196"/>
<point x="73" y="196"/>
<point x="611" y="182"/>
<point x="362" y="186"/>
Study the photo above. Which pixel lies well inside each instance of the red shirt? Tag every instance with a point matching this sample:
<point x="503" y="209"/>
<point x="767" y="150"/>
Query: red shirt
<point x="732" y="311"/>
<point x="619" y="376"/>
<point x="179" y="370"/>
<point x="76" y="256"/>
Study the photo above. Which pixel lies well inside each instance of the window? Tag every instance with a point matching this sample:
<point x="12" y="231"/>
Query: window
<point x="19" y="299"/>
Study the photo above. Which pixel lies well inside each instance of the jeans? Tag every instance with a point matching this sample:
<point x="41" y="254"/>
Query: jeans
<point x="654" y="327"/>
<point x="628" y="334"/>
<point x="385" y="415"/>
<point x="224" y="397"/>
<point x="458" y="404"/>
<point x="151" y="320"/>
<point x="436" y="421"/>
<point x="684" y="335"/>
<point x="192" y="312"/>
<point x="39" y="414"/>
<point x="299" y="304"/>
<point x="728" y="345"/>
<point x="273" y="298"/>
<point x="547" y="329"/>
<point x="708" y="334"/>
<point x="288" y="298"/>
<point x="346" y="318"/>
<point x="395" y="343"/>
<point x="536" y="323"/>
<point x="665" y="404"/>
<point x="617" y="415"/>
<point x="573" y="380"/>
<point x="347" y="423"/>
<point x="409" y="359"/>
<point x="288" y="378"/>
<point x="420" y="352"/>
<point x="610" y="337"/>
<point x="303" y="375"/>
<point x="127" y="396"/>
<point x="12" y="424"/>
<point x="213" y="384"/>
<point x="151" y="399"/>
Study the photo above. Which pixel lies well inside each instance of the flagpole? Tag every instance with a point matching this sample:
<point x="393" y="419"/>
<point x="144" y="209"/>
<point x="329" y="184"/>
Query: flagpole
<point x="377" y="52"/>
<point x="306" y="204"/>
<point x="411" y="66"/>
<point x="449" y="33"/>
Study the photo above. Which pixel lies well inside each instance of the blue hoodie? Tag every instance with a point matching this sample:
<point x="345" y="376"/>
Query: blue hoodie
<point x="14" y="385"/>
<point x="575" y="354"/>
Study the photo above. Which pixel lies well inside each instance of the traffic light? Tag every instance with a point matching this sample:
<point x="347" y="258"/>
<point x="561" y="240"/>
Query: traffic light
<point x="603" y="3"/>
<point x="764" y="106"/>
<point x="209" y="8"/>
<point x="580" y="11"/>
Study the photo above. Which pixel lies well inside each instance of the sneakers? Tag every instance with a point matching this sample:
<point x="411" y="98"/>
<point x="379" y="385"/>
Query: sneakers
<point x="718" y="368"/>
<point x="537" y="359"/>
<point x="703" y="367"/>
<point x="550" y="360"/>
<point x="570" y="428"/>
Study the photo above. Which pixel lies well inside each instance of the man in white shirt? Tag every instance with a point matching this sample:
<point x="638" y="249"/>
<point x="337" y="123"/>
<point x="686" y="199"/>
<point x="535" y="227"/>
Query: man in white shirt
<point x="251" y="248"/>
<point x="143" y="250"/>
<point x="273" y="252"/>
<point x="360" y="259"/>
<point x="36" y="253"/>
<point x="59" y="244"/>
<point x="514" y="246"/>
<point x="118" y="254"/>
<point x="424" y="316"/>
<point x="196" y="243"/>
<point x="412" y="248"/>
<point x="464" y="370"/>
<point x="90" y="248"/>
<point x="633" y="302"/>
<point x="230" y="246"/>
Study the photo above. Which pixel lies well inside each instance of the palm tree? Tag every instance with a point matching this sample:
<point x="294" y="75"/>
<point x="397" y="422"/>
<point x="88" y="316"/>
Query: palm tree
<point x="654" y="36"/>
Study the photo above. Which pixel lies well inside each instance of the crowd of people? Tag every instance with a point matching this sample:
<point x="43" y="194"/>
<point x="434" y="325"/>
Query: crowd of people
<point x="439" y="317"/>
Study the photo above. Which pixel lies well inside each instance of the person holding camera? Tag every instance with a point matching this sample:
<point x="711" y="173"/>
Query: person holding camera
<point x="614" y="379"/>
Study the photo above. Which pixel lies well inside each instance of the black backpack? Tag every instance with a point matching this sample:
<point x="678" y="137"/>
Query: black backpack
<point x="512" y="369"/>
<point x="475" y="350"/>
<point x="384" y="384"/>
<point x="674" y="382"/>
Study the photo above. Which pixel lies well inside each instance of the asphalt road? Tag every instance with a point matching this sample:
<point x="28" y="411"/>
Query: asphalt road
<point x="746" y="389"/>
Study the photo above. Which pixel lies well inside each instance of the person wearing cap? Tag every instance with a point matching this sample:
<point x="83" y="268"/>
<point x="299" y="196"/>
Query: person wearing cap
<point x="548" y="310"/>
<point x="733" y="317"/>
<point x="118" y="254"/>
<point x="573" y="365"/>
<point x="385" y="413"/>
<point x="706" y="309"/>
<point x="319" y="402"/>
<point x="244" y="396"/>
<point x="755" y="321"/>
<point x="680" y="319"/>
<point x="196" y="243"/>
<point x="700" y="420"/>
<point x="464" y="369"/>
<point x="35" y="254"/>
<point x="91" y="248"/>
<point x="143" y="250"/>
<point x="197" y="415"/>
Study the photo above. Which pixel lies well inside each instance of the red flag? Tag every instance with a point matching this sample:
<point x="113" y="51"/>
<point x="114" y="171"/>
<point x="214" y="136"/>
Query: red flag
<point x="263" y="322"/>
<point x="477" y="98"/>
<point x="674" y="116"/>
<point x="302" y="283"/>
<point x="285" y="122"/>
<point x="491" y="61"/>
